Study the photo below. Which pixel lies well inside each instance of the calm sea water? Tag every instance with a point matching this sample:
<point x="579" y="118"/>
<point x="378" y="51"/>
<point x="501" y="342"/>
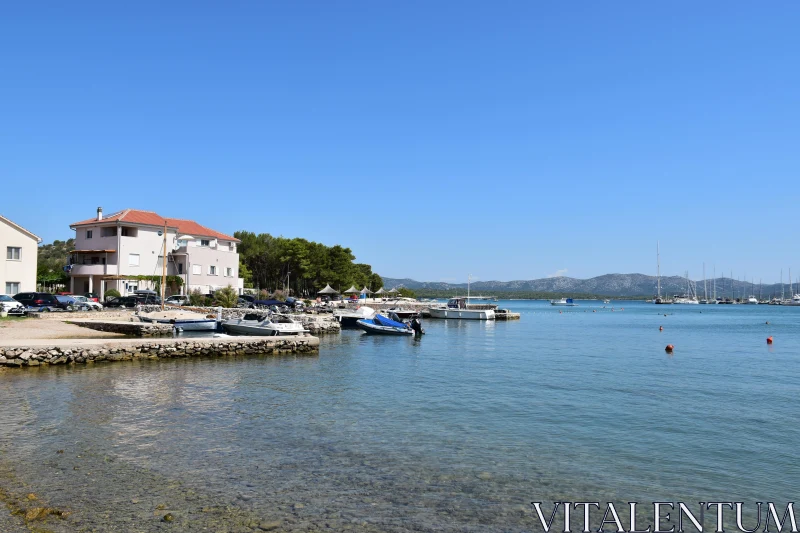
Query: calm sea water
<point x="457" y="431"/>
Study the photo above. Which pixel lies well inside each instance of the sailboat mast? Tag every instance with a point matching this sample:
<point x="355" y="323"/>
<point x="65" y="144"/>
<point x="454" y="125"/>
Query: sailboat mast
<point x="705" y="288"/>
<point x="658" y="267"/>
<point x="715" y="283"/>
<point x="164" y="268"/>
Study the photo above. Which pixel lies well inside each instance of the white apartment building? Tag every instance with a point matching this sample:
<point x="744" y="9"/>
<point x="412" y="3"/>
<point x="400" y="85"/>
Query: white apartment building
<point x="112" y="252"/>
<point x="20" y="248"/>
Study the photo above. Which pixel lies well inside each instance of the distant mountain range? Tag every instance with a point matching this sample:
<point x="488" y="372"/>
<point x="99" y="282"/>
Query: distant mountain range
<point x="627" y="285"/>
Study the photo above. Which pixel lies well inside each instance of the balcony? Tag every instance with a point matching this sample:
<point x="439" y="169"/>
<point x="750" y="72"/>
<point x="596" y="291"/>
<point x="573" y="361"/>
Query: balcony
<point x="91" y="270"/>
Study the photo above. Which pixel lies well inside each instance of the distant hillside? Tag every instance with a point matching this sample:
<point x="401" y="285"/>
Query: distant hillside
<point x="620" y="285"/>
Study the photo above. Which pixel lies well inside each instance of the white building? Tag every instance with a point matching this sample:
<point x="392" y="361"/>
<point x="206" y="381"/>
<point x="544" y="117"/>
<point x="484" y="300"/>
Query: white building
<point x="20" y="247"/>
<point x="113" y="252"/>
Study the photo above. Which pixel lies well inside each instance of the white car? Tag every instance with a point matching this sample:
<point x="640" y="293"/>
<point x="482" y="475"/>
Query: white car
<point x="94" y="306"/>
<point x="177" y="300"/>
<point x="10" y="305"/>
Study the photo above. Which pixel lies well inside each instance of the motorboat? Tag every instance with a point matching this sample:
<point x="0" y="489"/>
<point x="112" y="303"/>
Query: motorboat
<point x="383" y="325"/>
<point x="459" y="308"/>
<point x="273" y="325"/>
<point x="795" y="301"/>
<point x="686" y="300"/>
<point x="184" y="321"/>
<point x="606" y="301"/>
<point x="348" y="318"/>
<point x="404" y="314"/>
<point x="752" y="300"/>
<point x="564" y="302"/>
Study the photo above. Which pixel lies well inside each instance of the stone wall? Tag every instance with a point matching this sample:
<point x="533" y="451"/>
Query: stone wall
<point x="135" y="329"/>
<point x="22" y="356"/>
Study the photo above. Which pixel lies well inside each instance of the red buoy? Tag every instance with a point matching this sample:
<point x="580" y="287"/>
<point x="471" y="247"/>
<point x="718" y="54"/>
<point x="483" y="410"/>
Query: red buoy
<point x="660" y="328"/>
<point x="669" y="348"/>
<point x="769" y="340"/>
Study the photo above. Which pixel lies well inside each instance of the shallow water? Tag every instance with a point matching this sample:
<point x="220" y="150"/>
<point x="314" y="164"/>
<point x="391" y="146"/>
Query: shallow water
<point x="457" y="431"/>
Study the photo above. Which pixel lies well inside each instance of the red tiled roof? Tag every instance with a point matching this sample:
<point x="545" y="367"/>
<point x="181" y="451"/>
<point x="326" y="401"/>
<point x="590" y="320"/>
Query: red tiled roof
<point x="150" y="218"/>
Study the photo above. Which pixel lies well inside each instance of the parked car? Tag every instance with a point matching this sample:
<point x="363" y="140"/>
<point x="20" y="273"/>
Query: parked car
<point x="178" y="299"/>
<point x="123" y="301"/>
<point x="11" y="306"/>
<point x="249" y="297"/>
<point x="92" y="296"/>
<point x="69" y="303"/>
<point x="43" y="300"/>
<point x="91" y="304"/>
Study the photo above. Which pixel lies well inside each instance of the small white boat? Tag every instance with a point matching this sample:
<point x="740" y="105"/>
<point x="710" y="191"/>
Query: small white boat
<point x="564" y="302"/>
<point x="271" y="326"/>
<point x="606" y="301"/>
<point x="794" y="302"/>
<point x="199" y="323"/>
<point x="752" y="300"/>
<point x="349" y="318"/>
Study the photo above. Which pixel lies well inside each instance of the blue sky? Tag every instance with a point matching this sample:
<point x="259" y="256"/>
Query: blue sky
<point x="510" y="140"/>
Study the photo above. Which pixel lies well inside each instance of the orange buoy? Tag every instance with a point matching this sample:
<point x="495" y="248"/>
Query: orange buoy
<point x="769" y="340"/>
<point x="669" y="348"/>
<point x="660" y="328"/>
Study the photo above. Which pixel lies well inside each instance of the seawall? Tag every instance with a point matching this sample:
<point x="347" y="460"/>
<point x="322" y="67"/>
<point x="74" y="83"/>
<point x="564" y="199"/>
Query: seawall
<point x="89" y="351"/>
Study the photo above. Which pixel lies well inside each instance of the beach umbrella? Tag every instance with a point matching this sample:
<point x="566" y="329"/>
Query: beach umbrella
<point x="328" y="290"/>
<point x="393" y="291"/>
<point x="366" y="291"/>
<point x="380" y="291"/>
<point x="351" y="290"/>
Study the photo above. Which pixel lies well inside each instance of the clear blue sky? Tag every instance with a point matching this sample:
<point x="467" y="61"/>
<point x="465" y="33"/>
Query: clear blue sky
<point x="510" y="140"/>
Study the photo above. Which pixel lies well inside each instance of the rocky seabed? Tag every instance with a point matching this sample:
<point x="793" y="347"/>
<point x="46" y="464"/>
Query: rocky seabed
<point x="55" y="355"/>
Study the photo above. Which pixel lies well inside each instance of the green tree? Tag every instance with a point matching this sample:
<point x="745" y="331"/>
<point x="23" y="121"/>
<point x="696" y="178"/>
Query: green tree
<point x="227" y="297"/>
<point x="406" y="293"/>
<point x="197" y="298"/>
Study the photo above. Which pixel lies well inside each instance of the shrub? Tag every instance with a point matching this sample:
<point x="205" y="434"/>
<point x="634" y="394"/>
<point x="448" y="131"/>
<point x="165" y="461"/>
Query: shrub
<point x="197" y="298"/>
<point x="112" y="293"/>
<point x="263" y="295"/>
<point x="227" y="297"/>
<point x="278" y="295"/>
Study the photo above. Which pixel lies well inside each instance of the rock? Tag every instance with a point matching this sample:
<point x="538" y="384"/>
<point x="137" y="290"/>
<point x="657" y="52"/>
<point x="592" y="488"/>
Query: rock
<point x="298" y="506"/>
<point x="168" y="517"/>
<point x="25" y="355"/>
<point x="269" y="526"/>
<point x="484" y="476"/>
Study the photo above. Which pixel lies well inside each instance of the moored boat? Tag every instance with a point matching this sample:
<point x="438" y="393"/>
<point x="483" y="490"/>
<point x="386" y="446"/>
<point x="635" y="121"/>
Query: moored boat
<point x="382" y="325"/>
<point x="271" y="326"/>
<point x="349" y="318"/>
<point x="458" y="308"/>
<point x="564" y="301"/>
<point x="183" y="321"/>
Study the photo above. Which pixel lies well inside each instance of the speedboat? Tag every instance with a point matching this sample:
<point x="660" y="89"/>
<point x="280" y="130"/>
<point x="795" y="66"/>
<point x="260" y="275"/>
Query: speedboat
<point x="382" y="325"/>
<point x="795" y="301"/>
<point x="606" y="301"/>
<point x="271" y="326"/>
<point x="752" y="301"/>
<point x="564" y="301"/>
<point x="349" y="318"/>
<point x="404" y="314"/>
<point x="691" y="300"/>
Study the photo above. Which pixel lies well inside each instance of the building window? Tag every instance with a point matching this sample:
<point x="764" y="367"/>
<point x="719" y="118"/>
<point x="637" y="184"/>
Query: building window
<point x="88" y="234"/>
<point x="133" y="260"/>
<point x="197" y="269"/>
<point x="12" y="287"/>
<point x="212" y="270"/>
<point x="180" y="268"/>
<point x="95" y="260"/>
<point x="13" y="252"/>
<point x="205" y="242"/>
<point x="229" y="272"/>
<point x="129" y="232"/>
<point x="108" y="232"/>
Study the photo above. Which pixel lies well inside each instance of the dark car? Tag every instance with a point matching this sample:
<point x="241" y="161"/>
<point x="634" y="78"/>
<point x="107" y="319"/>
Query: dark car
<point x="68" y="303"/>
<point x="37" y="299"/>
<point x="249" y="297"/>
<point x="123" y="301"/>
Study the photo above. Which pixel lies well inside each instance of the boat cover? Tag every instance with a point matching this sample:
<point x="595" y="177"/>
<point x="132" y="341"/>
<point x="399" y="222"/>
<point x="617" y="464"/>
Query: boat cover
<point x="269" y="302"/>
<point x="383" y="321"/>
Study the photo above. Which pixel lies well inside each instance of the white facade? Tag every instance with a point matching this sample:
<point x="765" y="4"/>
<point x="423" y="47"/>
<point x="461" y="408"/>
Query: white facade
<point x="20" y="258"/>
<point x="109" y="253"/>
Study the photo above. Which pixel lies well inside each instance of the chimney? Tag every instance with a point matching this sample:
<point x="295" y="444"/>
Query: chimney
<point x="99" y="213"/>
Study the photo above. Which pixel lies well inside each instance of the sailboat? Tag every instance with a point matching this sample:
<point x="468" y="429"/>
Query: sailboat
<point x="658" y="299"/>
<point x="691" y="294"/>
<point x="795" y="300"/>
